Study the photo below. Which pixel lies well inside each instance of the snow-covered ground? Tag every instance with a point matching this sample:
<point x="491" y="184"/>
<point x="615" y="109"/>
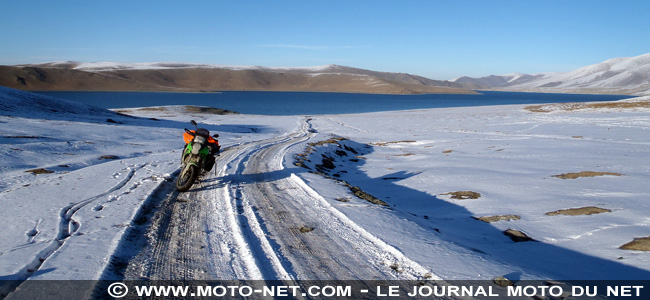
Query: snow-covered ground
<point x="509" y="156"/>
<point x="99" y="169"/>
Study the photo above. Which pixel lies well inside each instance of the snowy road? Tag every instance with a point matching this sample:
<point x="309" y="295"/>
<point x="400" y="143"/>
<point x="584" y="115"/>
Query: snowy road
<point x="256" y="220"/>
<point x="102" y="205"/>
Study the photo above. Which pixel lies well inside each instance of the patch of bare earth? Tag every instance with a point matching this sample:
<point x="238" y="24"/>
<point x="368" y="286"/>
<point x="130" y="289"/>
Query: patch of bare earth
<point x="333" y="140"/>
<point x="492" y="219"/>
<point x="361" y="194"/>
<point x="578" y="106"/>
<point x="404" y="154"/>
<point x="586" y="174"/>
<point x="588" y="210"/>
<point x="209" y="110"/>
<point x="388" y="143"/>
<point x="152" y="109"/>
<point x="188" y="109"/>
<point x="463" y="195"/>
<point x="39" y="171"/>
<point x="642" y="244"/>
<point x="109" y="157"/>
<point x="327" y="165"/>
<point x="22" y="137"/>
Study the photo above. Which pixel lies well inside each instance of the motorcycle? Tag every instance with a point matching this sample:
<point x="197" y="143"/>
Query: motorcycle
<point x="195" y="156"/>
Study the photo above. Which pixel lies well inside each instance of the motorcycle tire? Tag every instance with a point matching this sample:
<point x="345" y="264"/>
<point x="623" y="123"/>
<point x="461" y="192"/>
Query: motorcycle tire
<point x="186" y="178"/>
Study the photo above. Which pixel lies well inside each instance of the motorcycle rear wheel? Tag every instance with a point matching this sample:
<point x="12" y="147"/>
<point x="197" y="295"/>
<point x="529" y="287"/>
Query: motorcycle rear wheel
<point x="186" y="178"/>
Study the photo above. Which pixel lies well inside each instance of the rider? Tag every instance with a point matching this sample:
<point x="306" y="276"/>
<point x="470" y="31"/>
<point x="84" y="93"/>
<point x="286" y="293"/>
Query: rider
<point x="213" y="145"/>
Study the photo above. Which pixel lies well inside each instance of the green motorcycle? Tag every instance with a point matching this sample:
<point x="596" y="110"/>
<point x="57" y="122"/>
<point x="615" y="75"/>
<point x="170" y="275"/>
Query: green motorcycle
<point x="198" y="155"/>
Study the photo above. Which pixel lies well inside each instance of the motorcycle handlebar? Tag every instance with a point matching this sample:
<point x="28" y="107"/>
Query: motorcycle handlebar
<point x="189" y="132"/>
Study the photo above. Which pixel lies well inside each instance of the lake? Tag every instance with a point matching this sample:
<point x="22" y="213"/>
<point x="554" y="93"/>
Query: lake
<point x="312" y="103"/>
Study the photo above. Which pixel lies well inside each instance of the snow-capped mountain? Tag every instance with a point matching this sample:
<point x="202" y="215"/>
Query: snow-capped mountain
<point x="628" y="75"/>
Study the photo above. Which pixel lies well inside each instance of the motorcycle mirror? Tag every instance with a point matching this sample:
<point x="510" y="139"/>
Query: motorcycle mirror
<point x="215" y="135"/>
<point x="193" y="122"/>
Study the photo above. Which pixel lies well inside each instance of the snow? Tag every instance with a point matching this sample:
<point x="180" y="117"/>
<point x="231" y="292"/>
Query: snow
<point x="626" y="75"/>
<point x="614" y="73"/>
<point x="17" y="103"/>
<point x="106" y="193"/>
<point x="69" y="223"/>
<point x="112" y="66"/>
<point x="515" y="76"/>
<point x="309" y="69"/>
<point x="508" y="156"/>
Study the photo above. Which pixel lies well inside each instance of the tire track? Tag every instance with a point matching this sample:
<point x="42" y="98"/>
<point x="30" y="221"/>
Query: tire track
<point x="67" y="228"/>
<point x="168" y="242"/>
<point x="179" y="247"/>
<point x="311" y="239"/>
<point x="252" y="220"/>
<point x="188" y="236"/>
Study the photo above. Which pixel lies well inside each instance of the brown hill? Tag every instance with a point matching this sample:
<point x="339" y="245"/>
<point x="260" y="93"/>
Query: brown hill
<point x="72" y="76"/>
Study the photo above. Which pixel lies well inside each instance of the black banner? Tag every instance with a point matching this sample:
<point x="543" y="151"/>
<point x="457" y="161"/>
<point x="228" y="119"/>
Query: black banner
<point x="335" y="289"/>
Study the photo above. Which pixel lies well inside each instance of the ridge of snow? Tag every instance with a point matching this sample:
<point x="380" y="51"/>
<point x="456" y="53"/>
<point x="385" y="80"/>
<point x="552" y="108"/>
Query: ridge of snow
<point x="25" y="104"/>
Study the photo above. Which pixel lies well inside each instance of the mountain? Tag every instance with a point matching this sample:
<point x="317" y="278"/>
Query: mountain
<point x="181" y="77"/>
<point x="625" y="75"/>
<point x="497" y="80"/>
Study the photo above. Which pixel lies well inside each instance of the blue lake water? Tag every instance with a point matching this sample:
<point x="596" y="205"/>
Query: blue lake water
<point x="307" y="103"/>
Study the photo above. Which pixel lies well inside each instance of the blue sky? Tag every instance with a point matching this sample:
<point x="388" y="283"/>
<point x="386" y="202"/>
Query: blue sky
<point x="436" y="39"/>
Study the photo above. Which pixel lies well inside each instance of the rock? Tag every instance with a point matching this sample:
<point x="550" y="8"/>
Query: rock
<point x="305" y="229"/>
<point x="517" y="236"/>
<point x="341" y="153"/>
<point x="328" y="162"/>
<point x="502" y="281"/>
